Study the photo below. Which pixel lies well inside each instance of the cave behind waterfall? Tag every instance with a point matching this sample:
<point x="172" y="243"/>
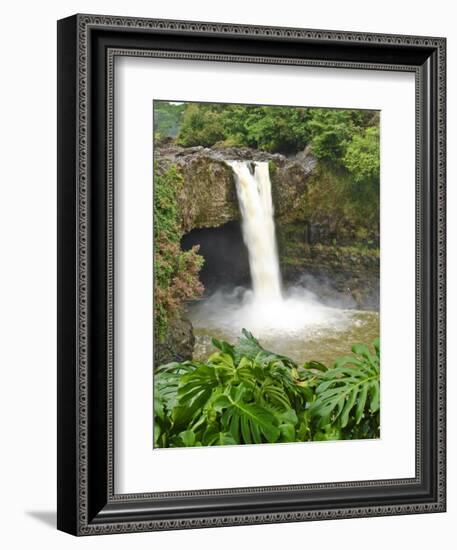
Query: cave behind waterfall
<point x="226" y="258"/>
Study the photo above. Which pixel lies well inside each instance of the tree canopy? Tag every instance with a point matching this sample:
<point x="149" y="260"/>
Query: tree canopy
<point x="340" y="135"/>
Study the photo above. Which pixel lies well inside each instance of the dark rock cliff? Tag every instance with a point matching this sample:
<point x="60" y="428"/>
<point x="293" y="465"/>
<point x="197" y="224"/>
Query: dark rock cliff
<point x="208" y="197"/>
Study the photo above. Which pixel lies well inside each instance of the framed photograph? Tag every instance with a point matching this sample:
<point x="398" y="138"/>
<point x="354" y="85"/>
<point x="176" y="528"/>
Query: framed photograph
<point x="251" y="274"/>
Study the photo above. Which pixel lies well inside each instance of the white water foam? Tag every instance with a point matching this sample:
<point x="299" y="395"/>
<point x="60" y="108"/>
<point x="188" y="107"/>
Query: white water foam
<point x="296" y="314"/>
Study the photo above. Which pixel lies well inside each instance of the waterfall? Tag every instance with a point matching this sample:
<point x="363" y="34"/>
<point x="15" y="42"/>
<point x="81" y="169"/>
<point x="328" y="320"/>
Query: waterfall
<point x="253" y="189"/>
<point x="284" y="318"/>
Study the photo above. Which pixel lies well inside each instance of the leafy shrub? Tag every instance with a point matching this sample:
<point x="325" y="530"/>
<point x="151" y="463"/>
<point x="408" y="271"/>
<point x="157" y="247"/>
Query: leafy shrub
<point x="200" y="126"/>
<point x="245" y="394"/>
<point x="361" y="157"/>
<point x="331" y="130"/>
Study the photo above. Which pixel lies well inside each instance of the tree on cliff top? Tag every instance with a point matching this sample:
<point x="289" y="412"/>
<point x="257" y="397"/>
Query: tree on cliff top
<point x="330" y="132"/>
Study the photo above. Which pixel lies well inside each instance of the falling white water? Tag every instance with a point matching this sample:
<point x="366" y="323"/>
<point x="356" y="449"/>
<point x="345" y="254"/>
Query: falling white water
<point x="253" y="188"/>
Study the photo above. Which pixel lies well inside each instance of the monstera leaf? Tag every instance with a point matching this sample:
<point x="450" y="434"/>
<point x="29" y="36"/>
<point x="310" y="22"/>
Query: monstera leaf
<point x="194" y="390"/>
<point x="246" y="422"/>
<point x="248" y="346"/>
<point x="166" y="381"/>
<point x="350" y="390"/>
<point x="244" y="394"/>
<point x="216" y="437"/>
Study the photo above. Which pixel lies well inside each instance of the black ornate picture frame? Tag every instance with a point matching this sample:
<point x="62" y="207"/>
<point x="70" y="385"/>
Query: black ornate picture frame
<point x="87" y="47"/>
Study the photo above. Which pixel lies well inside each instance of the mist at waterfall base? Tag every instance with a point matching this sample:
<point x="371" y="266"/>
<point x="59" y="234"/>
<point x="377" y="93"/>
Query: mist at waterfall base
<point x="293" y="320"/>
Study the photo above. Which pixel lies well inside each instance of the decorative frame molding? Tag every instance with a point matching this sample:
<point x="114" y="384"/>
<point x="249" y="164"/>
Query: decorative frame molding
<point x="88" y="45"/>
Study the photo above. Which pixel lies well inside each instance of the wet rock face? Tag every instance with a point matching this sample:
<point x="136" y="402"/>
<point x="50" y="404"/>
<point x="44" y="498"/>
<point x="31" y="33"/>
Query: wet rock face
<point x="338" y="275"/>
<point x="288" y="187"/>
<point x="178" y="344"/>
<point x="208" y="197"/>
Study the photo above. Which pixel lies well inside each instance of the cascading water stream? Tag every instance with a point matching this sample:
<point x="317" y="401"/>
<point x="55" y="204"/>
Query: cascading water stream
<point x="253" y="189"/>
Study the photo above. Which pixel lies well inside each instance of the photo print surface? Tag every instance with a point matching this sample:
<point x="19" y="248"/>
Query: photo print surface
<point x="266" y="274"/>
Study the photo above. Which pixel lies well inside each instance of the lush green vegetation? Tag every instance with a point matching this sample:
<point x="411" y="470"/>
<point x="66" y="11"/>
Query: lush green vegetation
<point x="347" y="209"/>
<point x="349" y="137"/>
<point x="245" y="394"/>
<point x="167" y="119"/>
<point x="175" y="271"/>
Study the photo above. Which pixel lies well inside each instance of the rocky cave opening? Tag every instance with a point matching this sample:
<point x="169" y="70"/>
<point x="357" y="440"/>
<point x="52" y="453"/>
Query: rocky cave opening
<point x="226" y="257"/>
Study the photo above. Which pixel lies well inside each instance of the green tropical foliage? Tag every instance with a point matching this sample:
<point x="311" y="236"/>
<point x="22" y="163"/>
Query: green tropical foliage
<point x="361" y="156"/>
<point x="350" y="389"/>
<point x="275" y="129"/>
<point x="246" y="394"/>
<point x="201" y="126"/>
<point x="175" y="271"/>
<point x="167" y="119"/>
<point x="348" y="137"/>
